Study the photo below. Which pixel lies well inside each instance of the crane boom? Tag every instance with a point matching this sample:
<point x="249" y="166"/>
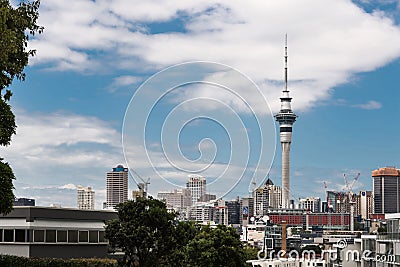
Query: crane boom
<point x="145" y="182"/>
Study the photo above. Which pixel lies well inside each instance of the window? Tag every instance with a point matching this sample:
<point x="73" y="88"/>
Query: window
<point x="8" y="235"/>
<point x="19" y="235"/>
<point x="38" y="236"/>
<point x="61" y="236"/>
<point x="1" y="235"/>
<point x="93" y="237"/>
<point x="29" y="234"/>
<point x="83" y="236"/>
<point x="101" y="236"/>
<point x="72" y="236"/>
<point x="50" y="236"/>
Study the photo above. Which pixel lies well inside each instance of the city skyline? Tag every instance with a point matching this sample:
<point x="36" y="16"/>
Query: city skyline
<point x="343" y="77"/>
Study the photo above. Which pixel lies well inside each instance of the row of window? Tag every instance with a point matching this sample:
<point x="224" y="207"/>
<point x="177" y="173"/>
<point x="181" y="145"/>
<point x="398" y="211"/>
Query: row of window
<point x="51" y="236"/>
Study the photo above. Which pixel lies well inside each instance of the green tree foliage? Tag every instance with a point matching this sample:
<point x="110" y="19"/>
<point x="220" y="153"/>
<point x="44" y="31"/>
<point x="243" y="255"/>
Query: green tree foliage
<point x="144" y="231"/>
<point x="16" y="25"/>
<point x="184" y="232"/>
<point x="149" y="235"/>
<point x="216" y="247"/>
<point x="251" y="253"/>
<point x="6" y="187"/>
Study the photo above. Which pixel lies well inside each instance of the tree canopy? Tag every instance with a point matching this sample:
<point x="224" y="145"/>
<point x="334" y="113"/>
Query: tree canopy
<point x="16" y="26"/>
<point x="149" y="235"/>
<point x="143" y="231"/>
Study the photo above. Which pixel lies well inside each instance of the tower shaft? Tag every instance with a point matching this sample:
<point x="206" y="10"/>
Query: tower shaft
<point x="286" y="119"/>
<point x="285" y="174"/>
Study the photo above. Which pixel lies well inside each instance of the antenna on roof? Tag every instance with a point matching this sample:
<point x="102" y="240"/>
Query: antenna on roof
<point x="286" y="67"/>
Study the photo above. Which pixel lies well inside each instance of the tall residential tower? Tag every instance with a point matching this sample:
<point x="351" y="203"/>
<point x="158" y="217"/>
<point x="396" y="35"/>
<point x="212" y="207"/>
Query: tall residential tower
<point x="117" y="186"/>
<point x="286" y="119"/>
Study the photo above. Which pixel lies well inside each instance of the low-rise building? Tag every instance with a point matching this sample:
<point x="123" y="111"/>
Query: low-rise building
<point x="54" y="232"/>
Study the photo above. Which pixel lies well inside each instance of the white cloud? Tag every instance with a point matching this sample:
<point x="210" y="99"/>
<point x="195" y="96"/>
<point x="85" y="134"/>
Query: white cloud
<point x="328" y="41"/>
<point x="62" y="149"/>
<point x="370" y="105"/>
<point x="68" y="186"/>
<point x="122" y="81"/>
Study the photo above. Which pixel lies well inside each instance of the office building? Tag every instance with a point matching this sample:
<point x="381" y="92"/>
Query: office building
<point x="85" y="198"/>
<point x="286" y="118"/>
<point x="338" y="202"/>
<point x="386" y="185"/>
<point x="246" y="210"/>
<point x="197" y="186"/>
<point x="233" y="207"/>
<point x="266" y="197"/>
<point x="364" y="204"/>
<point x="312" y="204"/>
<point x="202" y="212"/>
<point x="177" y="200"/>
<point x="117" y="186"/>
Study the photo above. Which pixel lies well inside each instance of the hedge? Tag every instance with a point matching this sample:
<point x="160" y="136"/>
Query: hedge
<point x="15" y="261"/>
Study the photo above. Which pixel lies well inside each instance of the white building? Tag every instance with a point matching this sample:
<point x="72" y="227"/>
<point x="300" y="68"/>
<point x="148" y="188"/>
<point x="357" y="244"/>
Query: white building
<point x="85" y="198"/>
<point x="44" y="232"/>
<point x="312" y="204"/>
<point x="117" y="186"/>
<point x="197" y="186"/>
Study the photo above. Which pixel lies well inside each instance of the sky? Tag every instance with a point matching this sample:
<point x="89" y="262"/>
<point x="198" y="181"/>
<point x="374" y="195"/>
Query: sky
<point x="171" y="88"/>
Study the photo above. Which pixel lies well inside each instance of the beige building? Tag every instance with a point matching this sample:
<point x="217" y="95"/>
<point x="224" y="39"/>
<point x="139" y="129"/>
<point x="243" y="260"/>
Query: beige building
<point x="85" y="198"/>
<point x="268" y="196"/>
<point x="117" y="186"/>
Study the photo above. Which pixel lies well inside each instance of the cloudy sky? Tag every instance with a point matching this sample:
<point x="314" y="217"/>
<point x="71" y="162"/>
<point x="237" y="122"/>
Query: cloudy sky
<point x="344" y="76"/>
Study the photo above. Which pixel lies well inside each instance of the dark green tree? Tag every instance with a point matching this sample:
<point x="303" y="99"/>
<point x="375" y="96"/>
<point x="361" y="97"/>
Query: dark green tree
<point x="144" y="231"/>
<point x="184" y="232"/>
<point x="16" y="25"/>
<point x="216" y="247"/>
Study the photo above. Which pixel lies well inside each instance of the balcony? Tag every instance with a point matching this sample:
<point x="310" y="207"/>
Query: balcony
<point x="389" y="237"/>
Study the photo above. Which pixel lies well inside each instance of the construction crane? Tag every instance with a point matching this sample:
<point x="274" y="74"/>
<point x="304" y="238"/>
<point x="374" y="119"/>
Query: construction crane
<point x="350" y="197"/>
<point x="145" y="183"/>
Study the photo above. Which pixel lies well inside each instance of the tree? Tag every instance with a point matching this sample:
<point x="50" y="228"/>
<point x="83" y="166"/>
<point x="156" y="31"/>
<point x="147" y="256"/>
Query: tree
<point x="14" y="55"/>
<point x="215" y="247"/>
<point x="144" y="231"/>
<point x="184" y="232"/>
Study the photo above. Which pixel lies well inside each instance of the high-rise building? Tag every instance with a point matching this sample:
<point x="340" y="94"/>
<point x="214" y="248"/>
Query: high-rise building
<point x="312" y="204"/>
<point x="85" y="198"/>
<point x="233" y="211"/>
<point x="266" y="197"/>
<point x="246" y="210"/>
<point x="117" y="186"/>
<point x="338" y="202"/>
<point x="179" y="199"/>
<point x="286" y="119"/>
<point x="197" y="186"/>
<point x="364" y="204"/>
<point x="386" y="187"/>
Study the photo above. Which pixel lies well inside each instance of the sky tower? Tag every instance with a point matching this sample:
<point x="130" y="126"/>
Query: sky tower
<point x="286" y="118"/>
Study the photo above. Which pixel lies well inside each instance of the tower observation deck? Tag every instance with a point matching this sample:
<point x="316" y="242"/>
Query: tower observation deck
<point x="286" y="118"/>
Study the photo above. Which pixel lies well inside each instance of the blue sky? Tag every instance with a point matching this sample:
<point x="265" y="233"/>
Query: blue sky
<point x="344" y="66"/>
